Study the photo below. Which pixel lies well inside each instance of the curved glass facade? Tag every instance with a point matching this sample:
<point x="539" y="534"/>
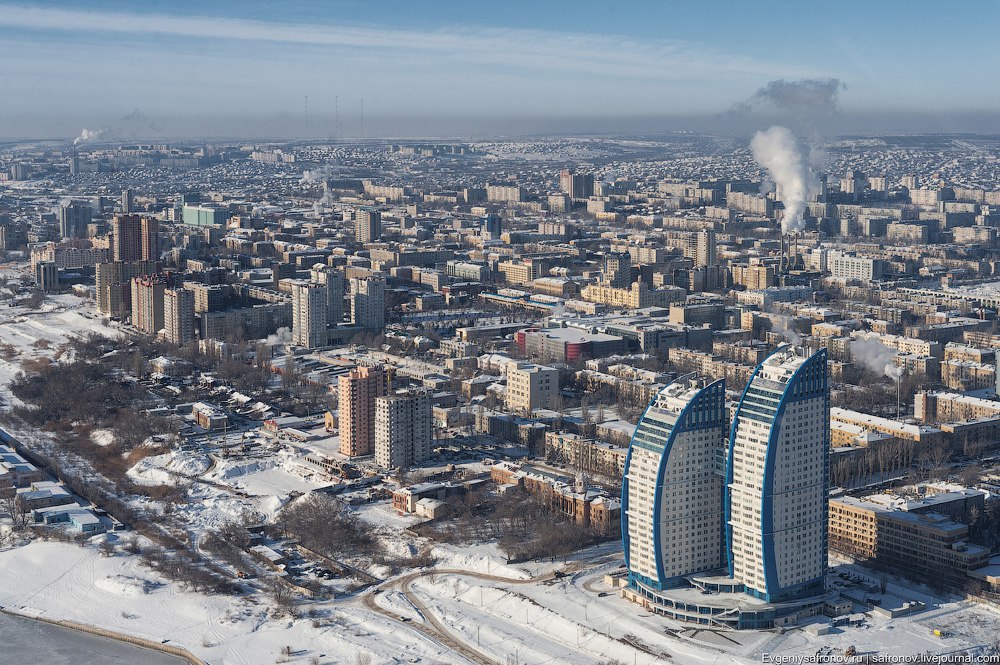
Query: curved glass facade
<point x="778" y="479"/>
<point x="671" y="493"/>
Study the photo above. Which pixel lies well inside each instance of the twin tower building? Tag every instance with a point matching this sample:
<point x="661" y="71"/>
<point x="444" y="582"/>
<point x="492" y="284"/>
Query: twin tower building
<point x="725" y="524"/>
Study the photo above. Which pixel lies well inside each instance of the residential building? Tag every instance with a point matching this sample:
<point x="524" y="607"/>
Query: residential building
<point x="403" y="429"/>
<point x="357" y="392"/>
<point x="113" y="291"/>
<point x="253" y="322"/>
<point x="367" y="225"/>
<point x="135" y="238"/>
<point x="576" y="185"/>
<point x="333" y="279"/>
<point x="672" y="488"/>
<point x="618" y="270"/>
<point x="178" y="316"/>
<point x="147" y="303"/>
<point x="368" y="302"/>
<point x="73" y="219"/>
<point x="705" y="253"/>
<point x="207" y="297"/>
<point x="939" y="407"/>
<point x="531" y="387"/>
<point x="778" y="478"/>
<point x="504" y="193"/>
<point x="67" y="257"/>
<point x="920" y="543"/>
<point x="966" y="375"/>
<point x="309" y="318"/>
<point x="586" y="506"/>
<point x="855" y="268"/>
<point x="637" y="296"/>
<point x="46" y="276"/>
<point x="753" y="277"/>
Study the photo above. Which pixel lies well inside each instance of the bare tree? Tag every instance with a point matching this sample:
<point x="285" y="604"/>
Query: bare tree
<point x="288" y="377"/>
<point x="280" y="593"/>
<point x="19" y="513"/>
<point x="940" y="453"/>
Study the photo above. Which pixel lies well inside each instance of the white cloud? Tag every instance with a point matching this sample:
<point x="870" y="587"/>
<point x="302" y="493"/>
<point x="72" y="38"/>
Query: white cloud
<point x="537" y="50"/>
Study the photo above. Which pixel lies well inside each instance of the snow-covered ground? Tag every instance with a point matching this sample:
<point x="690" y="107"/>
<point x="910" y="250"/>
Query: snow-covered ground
<point x="168" y="468"/>
<point x="70" y="582"/>
<point x="567" y="621"/>
<point x="31" y="335"/>
<point x="263" y="474"/>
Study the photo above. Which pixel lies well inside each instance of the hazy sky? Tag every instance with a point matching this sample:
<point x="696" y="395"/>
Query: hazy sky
<point x="247" y="66"/>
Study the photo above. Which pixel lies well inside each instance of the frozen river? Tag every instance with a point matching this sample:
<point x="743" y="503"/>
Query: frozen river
<point x="26" y="641"/>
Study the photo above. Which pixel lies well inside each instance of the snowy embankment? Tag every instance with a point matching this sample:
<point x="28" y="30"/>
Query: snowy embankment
<point x="62" y="581"/>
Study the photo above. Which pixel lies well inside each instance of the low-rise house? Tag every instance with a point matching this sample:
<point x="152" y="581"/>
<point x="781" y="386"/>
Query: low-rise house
<point x="43" y="494"/>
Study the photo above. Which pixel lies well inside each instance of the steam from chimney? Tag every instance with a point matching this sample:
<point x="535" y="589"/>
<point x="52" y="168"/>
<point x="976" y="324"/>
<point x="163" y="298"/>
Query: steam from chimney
<point x="319" y="176"/>
<point x="282" y="336"/>
<point x="316" y="176"/>
<point x="133" y="125"/>
<point x="877" y="357"/>
<point x="781" y="323"/>
<point x="807" y="106"/>
<point x="89" y="135"/>
<point x="778" y="151"/>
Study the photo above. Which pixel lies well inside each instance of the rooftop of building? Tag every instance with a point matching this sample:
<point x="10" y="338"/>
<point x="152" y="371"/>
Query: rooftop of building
<point x="532" y="367"/>
<point x="674" y="397"/>
<point x="576" y="335"/>
<point x="968" y="400"/>
<point x="892" y="503"/>
<point x="781" y="365"/>
<point x="879" y="423"/>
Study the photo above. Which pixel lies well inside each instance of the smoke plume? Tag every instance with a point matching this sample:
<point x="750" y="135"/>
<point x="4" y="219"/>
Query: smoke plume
<point x="131" y="126"/>
<point x="778" y="151"/>
<point x="282" y="336"/>
<point x="317" y="176"/>
<point x="88" y="135"/>
<point x="876" y="356"/>
<point x="783" y="324"/>
<point x="805" y="98"/>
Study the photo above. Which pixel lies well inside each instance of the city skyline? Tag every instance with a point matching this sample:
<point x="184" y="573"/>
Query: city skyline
<point x="179" y="70"/>
<point x="475" y="333"/>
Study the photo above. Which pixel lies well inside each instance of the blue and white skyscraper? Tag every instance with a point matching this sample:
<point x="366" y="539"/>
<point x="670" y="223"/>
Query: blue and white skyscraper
<point x="743" y="518"/>
<point x="671" y="494"/>
<point x="778" y="479"/>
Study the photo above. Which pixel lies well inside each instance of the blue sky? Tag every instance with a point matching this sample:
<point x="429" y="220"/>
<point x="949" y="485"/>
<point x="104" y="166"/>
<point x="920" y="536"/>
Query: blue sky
<point x="64" y="64"/>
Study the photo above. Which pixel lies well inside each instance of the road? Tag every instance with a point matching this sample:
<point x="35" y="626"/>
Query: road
<point x="439" y="632"/>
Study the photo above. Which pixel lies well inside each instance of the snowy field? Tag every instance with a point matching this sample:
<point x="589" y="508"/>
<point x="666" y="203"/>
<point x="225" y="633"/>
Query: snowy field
<point x="31" y="335"/>
<point x="69" y="582"/>
<point x="549" y="621"/>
